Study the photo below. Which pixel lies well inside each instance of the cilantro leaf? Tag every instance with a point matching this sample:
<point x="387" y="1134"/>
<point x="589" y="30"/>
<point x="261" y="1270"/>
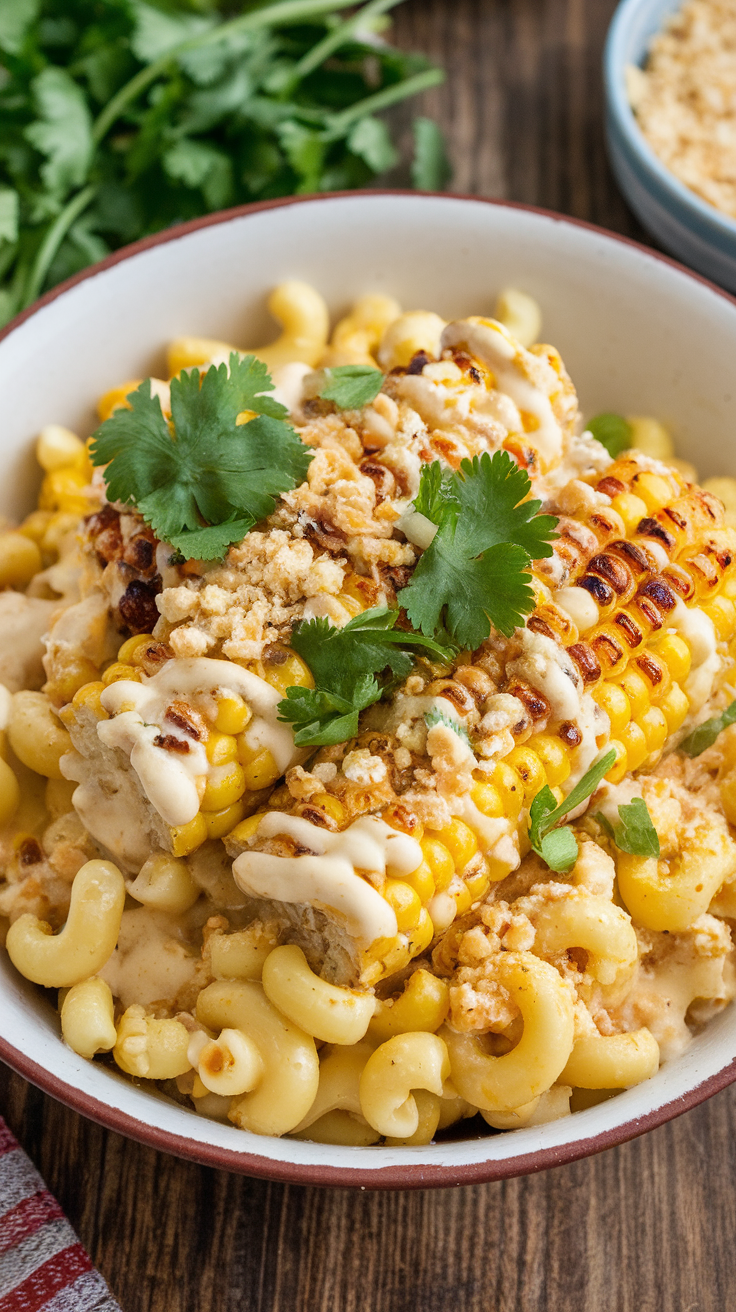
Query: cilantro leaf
<point x="63" y="130"/>
<point x="344" y="663"/>
<point x="707" y="732"/>
<point x="612" y="431"/>
<point x="430" y="169"/>
<point x="545" y="838"/>
<point x="9" y="206"/>
<point x="475" y="572"/>
<point x="212" y="473"/>
<point x="16" y="17"/>
<point x="351" y="386"/>
<point x="370" y="140"/>
<point x="438" y="717"/>
<point x="636" y="833"/>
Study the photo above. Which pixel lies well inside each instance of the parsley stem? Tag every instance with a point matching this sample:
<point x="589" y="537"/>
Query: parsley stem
<point x="411" y="86"/>
<point x="338" y="37"/>
<point x="283" y="11"/>
<point x="51" y="243"/>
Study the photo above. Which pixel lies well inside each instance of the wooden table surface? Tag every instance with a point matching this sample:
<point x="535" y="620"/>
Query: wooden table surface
<point x="647" y="1227"/>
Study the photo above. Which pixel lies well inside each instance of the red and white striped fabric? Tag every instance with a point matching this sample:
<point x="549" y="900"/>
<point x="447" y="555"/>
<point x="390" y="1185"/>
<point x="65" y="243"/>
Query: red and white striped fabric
<point x="43" y="1267"/>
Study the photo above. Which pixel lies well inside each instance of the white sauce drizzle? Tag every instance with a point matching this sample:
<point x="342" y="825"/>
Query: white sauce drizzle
<point x="696" y="629"/>
<point x="328" y="880"/>
<point x="547" y="667"/>
<point x="172" y="780"/>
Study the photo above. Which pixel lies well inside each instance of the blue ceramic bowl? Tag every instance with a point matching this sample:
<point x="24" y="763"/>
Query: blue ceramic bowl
<point x="687" y="226"/>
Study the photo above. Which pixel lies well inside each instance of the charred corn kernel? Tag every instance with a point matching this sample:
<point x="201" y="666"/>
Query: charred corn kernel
<point x="35" y="525"/>
<point x="261" y="772"/>
<point x="676" y="655"/>
<point x="478" y="884"/>
<point x="620" y="765"/>
<point x="636" y="691"/>
<point x="221" y="748"/>
<point x="613" y="700"/>
<point x="725" y="489"/>
<point x="422" y="881"/>
<point x="233" y="714"/>
<point x="116" y="397"/>
<point x="58" y="448"/>
<point x="20" y="559"/>
<point x="132" y="646"/>
<point x="510" y="786"/>
<point x="654" y="724"/>
<point x="223" y="822"/>
<point x="439" y="861"/>
<point x="460" y="842"/>
<point x="77" y="674"/>
<point x="655" y="674"/>
<point x="243" y="832"/>
<point x="187" y="838"/>
<point x="488" y="800"/>
<point x="225" y="785"/>
<point x="528" y="765"/>
<point x="118" y="671"/>
<point x="631" y="508"/>
<point x="292" y="672"/>
<point x="651" y="437"/>
<point x="62" y="490"/>
<point x="654" y="489"/>
<point x="722" y="612"/>
<point x="404" y="902"/>
<point x="675" y="706"/>
<point x="9" y="793"/>
<point x="634" y="740"/>
<point x="421" y="935"/>
<point x="332" y="806"/>
<point x="553" y="756"/>
<point x="89" y="696"/>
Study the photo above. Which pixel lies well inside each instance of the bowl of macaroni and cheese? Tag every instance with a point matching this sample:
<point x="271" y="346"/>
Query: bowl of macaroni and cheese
<point x="368" y="685"/>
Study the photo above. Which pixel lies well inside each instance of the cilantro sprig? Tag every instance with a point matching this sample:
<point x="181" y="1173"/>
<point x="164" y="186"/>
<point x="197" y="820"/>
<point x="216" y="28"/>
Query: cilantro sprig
<point x="612" y="431"/>
<point x="635" y="833"/>
<point x="475" y="572"/>
<point x="707" y="732"/>
<point x="344" y="663"/>
<point x="204" y="485"/>
<point x="558" y="846"/>
<point x="351" y="386"/>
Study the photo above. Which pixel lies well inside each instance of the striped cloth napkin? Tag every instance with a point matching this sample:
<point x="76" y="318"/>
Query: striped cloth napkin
<point x="43" y="1267"/>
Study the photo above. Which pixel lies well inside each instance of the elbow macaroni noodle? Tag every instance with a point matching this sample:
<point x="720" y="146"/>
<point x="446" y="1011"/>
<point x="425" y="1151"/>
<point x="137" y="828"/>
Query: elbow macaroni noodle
<point x="429" y="968"/>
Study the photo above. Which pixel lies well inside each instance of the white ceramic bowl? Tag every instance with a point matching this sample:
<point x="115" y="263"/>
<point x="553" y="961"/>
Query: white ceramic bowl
<point x="686" y="226"/>
<point x="638" y="334"/>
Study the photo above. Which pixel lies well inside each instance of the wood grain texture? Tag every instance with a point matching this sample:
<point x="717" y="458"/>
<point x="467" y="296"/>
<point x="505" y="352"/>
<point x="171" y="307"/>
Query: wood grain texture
<point x="648" y="1227"/>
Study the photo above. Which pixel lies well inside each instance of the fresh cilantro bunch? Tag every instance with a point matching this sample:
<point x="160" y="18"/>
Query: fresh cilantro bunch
<point x="556" y="844"/>
<point x="204" y="485"/>
<point x="475" y="572"/>
<point x="344" y="663"/>
<point x="120" y="117"/>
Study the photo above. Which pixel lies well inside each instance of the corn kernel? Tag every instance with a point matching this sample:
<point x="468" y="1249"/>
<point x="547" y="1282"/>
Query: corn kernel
<point x="225" y="785"/>
<point x="654" y="724"/>
<point x="421" y="936"/>
<point x="59" y="526"/>
<point x="651" y="437"/>
<point x="675" y="653"/>
<point x="488" y="800"/>
<point x="118" y="671"/>
<point x="634" y="740"/>
<point x="243" y="832"/>
<point x="498" y="868"/>
<point x="654" y="489"/>
<point x="62" y="490"/>
<point x="132" y="646"/>
<point x="89" y="695"/>
<point x="422" y="881"/>
<point x="613" y="700"/>
<point x="76" y="674"/>
<point x="728" y="589"/>
<point x="233" y="714"/>
<point x="554" y="757"/>
<point x="290" y="673"/>
<point x="35" y="525"/>
<point x="620" y="765"/>
<point x="59" y="448"/>
<point x="636" y="691"/>
<point x="460" y="842"/>
<point x="332" y="806"/>
<point x="631" y="509"/>
<point x="654" y="673"/>
<point x="478" y="884"/>
<point x="404" y="902"/>
<point x="510" y="785"/>
<point x="722" y="612"/>
<point x="221" y="748"/>
<point x="20" y="559"/>
<point x="675" y="707"/>
<point x="439" y="861"/>
<point x="530" y="768"/>
<point x="261" y="772"/>
<point x="116" y="398"/>
<point x="222" y="822"/>
<point x="187" y="838"/>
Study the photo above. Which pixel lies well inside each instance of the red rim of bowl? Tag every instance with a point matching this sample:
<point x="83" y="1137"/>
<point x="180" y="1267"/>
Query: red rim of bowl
<point x="404" y="1176"/>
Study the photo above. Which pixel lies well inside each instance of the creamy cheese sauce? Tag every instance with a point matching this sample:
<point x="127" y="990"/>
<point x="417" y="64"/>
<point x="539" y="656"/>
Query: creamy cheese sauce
<point x="148" y="964"/>
<point x="173" y="781"/>
<point x="325" y="877"/>
<point x="696" y="629"/>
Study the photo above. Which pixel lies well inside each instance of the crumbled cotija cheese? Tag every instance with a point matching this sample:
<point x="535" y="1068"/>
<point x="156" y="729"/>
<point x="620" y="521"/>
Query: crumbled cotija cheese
<point x="685" y="99"/>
